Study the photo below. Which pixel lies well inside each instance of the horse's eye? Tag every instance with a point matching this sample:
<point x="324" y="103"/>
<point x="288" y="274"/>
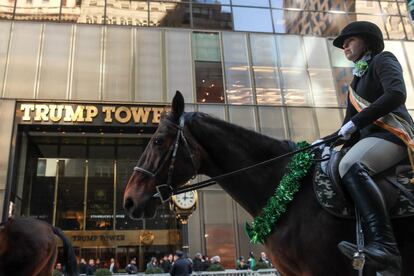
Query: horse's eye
<point x="158" y="141"/>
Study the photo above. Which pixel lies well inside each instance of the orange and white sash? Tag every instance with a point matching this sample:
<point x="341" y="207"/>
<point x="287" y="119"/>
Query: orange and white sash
<point x="390" y="122"/>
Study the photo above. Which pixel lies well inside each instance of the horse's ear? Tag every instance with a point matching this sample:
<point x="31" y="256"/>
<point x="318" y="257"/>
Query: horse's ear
<point x="178" y="105"/>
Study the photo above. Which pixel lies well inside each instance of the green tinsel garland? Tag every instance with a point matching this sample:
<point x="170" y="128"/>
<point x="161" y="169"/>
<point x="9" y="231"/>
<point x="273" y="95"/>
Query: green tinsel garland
<point x="276" y="206"/>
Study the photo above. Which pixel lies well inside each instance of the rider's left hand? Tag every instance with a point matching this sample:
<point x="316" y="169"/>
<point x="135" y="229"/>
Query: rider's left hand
<point x="347" y="130"/>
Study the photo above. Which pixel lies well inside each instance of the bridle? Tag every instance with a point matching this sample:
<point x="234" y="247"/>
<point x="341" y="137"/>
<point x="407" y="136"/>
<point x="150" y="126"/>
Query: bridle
<point x="172" y="156"/>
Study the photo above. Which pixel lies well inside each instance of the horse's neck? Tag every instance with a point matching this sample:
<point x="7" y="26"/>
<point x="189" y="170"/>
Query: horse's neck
<point x="229" y="148"/>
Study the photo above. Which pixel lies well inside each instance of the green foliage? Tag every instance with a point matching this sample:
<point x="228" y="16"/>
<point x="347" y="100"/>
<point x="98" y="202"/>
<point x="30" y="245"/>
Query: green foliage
<point x="57" y="273"/>
<point x="154" y="270"/>
<point x="215" y="267"/>
<point x="261" y="265"/>
<point x="103" y="272"/>
<point x="277" y="205"/>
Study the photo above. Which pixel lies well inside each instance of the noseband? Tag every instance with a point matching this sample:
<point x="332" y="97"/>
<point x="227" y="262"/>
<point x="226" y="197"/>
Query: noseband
<point x="171" y="154"/>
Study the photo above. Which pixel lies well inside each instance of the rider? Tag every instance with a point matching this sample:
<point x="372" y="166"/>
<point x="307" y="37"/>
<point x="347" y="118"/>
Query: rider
<point x="377" y="91"/>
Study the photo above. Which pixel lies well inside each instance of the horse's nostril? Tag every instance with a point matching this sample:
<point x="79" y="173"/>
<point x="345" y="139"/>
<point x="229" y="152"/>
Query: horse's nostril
<point x="129" y="203"/>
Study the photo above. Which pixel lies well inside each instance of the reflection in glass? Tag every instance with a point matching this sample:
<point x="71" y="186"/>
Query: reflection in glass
<point x="42" y="190"/>
<point x="295" y="85"/>
<point x="316" y="52"/>
<point x="71" y="10"/>
<point x="329" y="120"/>
<point x="213" y="110"/>
<point x="209" y="82"/>
<point x="37" y="10"/>
<point x="242" y="116"/>
<point x="328" y="24"/>
<point x="266" y="75"/>
<point x="364" y="6"/>
<point x="100" y="195"/>
<point x="409" y="28"/>
<point x="290" y="50"/>
<point x="394" y="27"/>
<point x="92" y="11"/>
<point x="343" y="78"/>
<point x="238" y="84"/>
<point x="296" y="4"/>
<point x="121" y="12"/>
<point x="302" y="124"/>
<point x="389" y="7"/>
<point x="242" y="20"/>
<point x="272" y="122"/>
<point x="252" y="3"/>
<point x="6" y="9"/>
<point x="291" y="22"/>
<point x="328" y="5"/>
<point x="323" y="88"/>
<point x="223" y="2"/>
<point x="70" y="204"/>
<point x="169" y="14"/>
<point x="212" y="17"/>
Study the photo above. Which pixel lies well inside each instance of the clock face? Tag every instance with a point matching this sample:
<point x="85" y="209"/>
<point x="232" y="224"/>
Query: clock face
<point x="185" y="200"/>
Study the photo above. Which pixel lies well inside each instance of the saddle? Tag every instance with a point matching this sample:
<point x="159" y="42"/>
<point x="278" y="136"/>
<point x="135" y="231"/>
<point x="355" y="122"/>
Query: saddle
<point x="394" y="184"/>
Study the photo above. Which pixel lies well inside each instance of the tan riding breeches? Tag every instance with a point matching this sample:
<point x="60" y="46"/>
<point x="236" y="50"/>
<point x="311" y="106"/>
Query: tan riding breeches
<point x="374" y="153"/>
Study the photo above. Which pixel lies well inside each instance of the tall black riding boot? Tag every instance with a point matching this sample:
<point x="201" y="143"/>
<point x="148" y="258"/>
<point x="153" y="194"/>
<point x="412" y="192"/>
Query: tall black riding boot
<point x="381" y="252"/>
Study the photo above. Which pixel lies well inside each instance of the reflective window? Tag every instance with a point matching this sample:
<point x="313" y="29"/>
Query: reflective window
<point x="364" y="6"/>
<point x="179" y="64"/>
<point x="217" y="2"/>
<point x="394" y="26"/>
<point x="328" y="5"/>
<point x="328" y="24"/>
<point x="238" y="84"/>
<point x="5" y="27"/>
<point x="243" y="16"/>
<point x="69" y="209"/>
<point x="257" y="3"/>
<point x="91" y="12"/>
<point x="212" y="17"/>
<point x="296" y="4"/>
<point x="170" y="14"/>
<point x="291" y="22"/>
<point x="100" y="195"/>
<point x="242" y="116"/>
<point x="272" y="122"/>
<point x="329" y="120"/>
<point x="55" y="61"/>
<point x="87" y="63"/>
<point x="71" y="11"/>
<point x="265" y="71"/>
<point x="389" y="7"/>
<point x="117" y="77"/>
<point x="316" y="52"/>
<point x="23" y="58"/>
<point x="209" y="82"/>
<point x="122" y="12"/>
<point x="409" y="28"/>
<point x="302" y="124"/>
<point x="7" y="7"/>
<point x="148" y="65"/>
<point x="37" y="10"/>
<point x="323" y="88"/>
<point x="290" y="50"/>
<point x="295" y="85"/>
<point x="213" y="110"/>
<point x="342" y="78"/>
<point x="219" y="228"/>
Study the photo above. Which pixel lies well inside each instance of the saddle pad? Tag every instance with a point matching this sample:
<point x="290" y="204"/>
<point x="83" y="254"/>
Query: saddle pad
<point x="335" y="201"/>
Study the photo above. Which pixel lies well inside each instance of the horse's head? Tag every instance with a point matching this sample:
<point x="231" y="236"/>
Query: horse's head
<point x="170" y="158"/>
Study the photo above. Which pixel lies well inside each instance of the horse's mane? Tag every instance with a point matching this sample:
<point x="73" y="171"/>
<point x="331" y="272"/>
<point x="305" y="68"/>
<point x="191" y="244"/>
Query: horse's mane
<point x="245" y="137"/>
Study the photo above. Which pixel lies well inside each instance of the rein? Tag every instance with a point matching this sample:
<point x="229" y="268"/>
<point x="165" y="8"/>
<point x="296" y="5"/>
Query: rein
<point x="165" y="191"/>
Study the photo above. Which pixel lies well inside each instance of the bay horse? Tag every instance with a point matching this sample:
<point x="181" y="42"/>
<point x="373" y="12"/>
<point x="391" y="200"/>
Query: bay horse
<point x="304" y="241"/>
<point x="28" y="247"/>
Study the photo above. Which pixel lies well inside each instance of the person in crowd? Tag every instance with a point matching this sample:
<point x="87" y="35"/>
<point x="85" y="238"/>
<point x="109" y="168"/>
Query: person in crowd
<point x="166" y="264"/>
<point x="113" y="267"/>
<point x="132" y="268"/>
<point x="206" y="262"/>
<point x="198" y="264"/>
<point x="181" y="265"/>
<point x="82" y="266"/>
<point x="152" y="263"/>
<point x="376" y="129"/>
<point x="90" y="269"/>
<point x="98" y="264"/>
<point x="264" y="259"/>
<point x="241" y="263"/>
<point x="251" y="261"/>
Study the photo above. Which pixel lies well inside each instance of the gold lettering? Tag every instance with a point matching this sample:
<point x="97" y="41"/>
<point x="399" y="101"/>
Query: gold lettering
<point x="108" y="113"/>
<point x="156" y="115"/>
<point x="26" y="108"/>
<point x="71" y="116"/>
<point x="91" y="112"/>
<point x="52" y="112"/>
<point x="41" y="113"/>
<point x="141" y="114"/>
<point x="127" y="112"/>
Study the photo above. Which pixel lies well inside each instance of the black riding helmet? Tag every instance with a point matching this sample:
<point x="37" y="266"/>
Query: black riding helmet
<point x="367" y="30"/>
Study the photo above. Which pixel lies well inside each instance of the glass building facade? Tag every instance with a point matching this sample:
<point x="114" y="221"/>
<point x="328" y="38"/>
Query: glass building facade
<point x="267" y="65"/>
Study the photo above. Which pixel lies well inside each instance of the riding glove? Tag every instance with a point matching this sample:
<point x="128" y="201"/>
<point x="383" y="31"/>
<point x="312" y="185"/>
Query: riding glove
<point x="347" y="130"/>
